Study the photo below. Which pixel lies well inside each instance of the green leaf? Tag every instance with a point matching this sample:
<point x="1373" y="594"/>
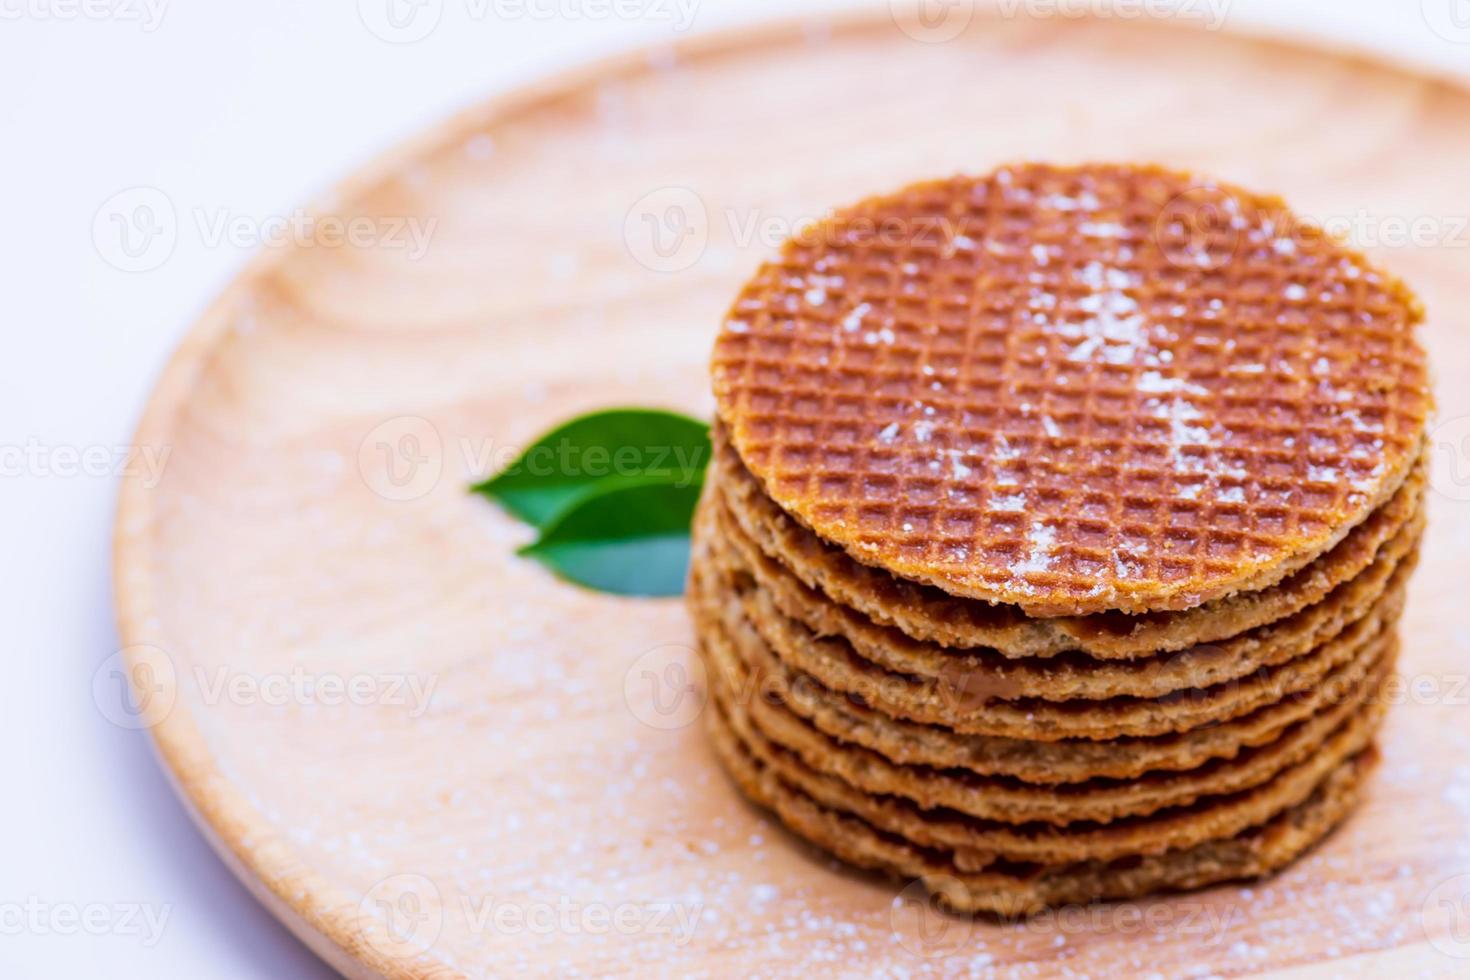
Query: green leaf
<point x="630" y="540"/>
<point x="598" y="452"/>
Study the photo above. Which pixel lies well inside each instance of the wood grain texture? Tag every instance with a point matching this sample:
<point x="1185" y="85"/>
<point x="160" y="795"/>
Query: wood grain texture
<point x="547" y="802"/>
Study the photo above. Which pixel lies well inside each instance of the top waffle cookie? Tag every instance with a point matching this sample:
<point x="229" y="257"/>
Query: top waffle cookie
<point x="1074" y="389"/>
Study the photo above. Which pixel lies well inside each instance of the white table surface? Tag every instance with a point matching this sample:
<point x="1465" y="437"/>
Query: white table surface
<point x="240" y="110"/>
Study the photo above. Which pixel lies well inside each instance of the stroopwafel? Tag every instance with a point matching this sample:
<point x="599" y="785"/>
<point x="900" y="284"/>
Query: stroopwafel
<point x="1012" y="888"/>
<point x="1058" y="530"/>
<point x="1051" y="387"/>
<point x="940" y="701"/>
<point x="928" y="613"/>
<point x="983" y="674"/>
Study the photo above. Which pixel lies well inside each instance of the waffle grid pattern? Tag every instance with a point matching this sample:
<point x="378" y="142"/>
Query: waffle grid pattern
<point x="926" y="613"/>
<point x="1074" y="389"/>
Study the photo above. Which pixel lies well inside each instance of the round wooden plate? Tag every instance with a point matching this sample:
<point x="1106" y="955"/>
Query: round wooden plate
<point x="430" y="758"/>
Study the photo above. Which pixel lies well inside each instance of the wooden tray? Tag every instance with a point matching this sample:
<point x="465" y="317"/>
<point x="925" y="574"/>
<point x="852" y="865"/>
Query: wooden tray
<point x="553" y="807"/>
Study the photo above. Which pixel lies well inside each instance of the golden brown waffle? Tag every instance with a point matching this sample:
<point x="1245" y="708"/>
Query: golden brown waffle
<point x="928" y="614"/>
<point x="833" y="663"/>
<point x="740" y="655"/>
<point x="979" y="839"/>
<point x="982" y="675"/>
<point x="1072" y="390"/>
<point x="1342" y="727"/>
<point x="1006" y="888"/>
<point x="1212" y="801"/>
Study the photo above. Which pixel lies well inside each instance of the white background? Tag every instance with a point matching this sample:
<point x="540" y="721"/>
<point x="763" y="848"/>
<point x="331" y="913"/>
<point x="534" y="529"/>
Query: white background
<point x="240" y="109"/>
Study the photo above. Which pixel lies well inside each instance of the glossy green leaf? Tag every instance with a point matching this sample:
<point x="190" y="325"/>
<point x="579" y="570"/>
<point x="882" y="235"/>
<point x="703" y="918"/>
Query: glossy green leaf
<point x="596" y="453"/>
<point x="632" y="539"/>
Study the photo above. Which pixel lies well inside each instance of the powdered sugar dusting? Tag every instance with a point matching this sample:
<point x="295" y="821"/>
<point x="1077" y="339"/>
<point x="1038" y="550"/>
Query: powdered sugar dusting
<point x="854" y="319"/>
<point x="1008" y="503"/>
<point x="1039" y="540"/>
<point x="958" y="466"/>
<point x="1115" y="331"/>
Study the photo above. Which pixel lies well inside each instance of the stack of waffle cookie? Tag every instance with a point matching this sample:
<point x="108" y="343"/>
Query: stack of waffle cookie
<point x="1057" y="532"/>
